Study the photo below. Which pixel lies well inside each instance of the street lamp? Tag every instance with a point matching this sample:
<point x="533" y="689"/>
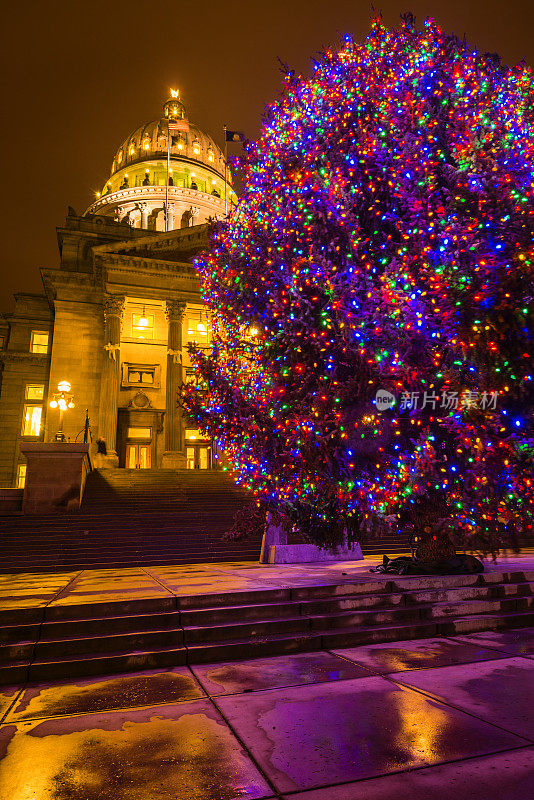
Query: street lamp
<point x="62" y="399"/>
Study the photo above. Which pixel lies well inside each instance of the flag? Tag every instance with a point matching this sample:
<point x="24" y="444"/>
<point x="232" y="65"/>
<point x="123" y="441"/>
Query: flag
<point x="176" y="125"/>
<point x="235" y="136"/>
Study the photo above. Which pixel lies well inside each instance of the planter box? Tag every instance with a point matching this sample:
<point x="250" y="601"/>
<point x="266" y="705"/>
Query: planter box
<point x="308" y="553"/>
<point x="276" y="550"/>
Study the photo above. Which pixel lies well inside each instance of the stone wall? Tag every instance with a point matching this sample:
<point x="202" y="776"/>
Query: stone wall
<point x="19" y="368"/>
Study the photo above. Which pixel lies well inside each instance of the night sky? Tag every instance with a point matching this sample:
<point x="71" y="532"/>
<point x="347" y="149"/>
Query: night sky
<point x="78" y="77"/>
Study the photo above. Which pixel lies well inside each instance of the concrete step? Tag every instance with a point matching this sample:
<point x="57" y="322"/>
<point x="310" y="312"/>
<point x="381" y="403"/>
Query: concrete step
<point x="115" y="643"/>
<point x="74" y="639"/>
<point x="109" y="663"/>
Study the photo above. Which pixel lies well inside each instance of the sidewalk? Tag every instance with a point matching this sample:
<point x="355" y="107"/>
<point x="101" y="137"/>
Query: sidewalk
<point x="450" y="717"/>
<point x="35" y="591"/>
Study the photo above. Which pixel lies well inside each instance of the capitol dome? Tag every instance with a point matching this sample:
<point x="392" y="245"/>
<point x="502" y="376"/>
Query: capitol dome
<point x="166" y="174"/>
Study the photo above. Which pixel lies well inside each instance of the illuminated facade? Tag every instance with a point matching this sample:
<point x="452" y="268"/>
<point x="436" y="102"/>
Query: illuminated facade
<point x="116" y="317"/>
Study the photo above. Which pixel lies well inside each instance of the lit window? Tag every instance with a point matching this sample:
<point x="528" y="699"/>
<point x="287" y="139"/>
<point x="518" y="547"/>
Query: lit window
<point x="139" y="433"/>
<point x="32" y="411"/>
<point x="143" y="326"/>
<point x="210" y="155"/>
<point x="197" y="330"/>
<point x="34" y="391"/>
<point x="146" y="144"/>
<point x="119" y="157"/>
<point x="194" y="433"/>
<point x="21" y="476"/>
<point x="196" y="147"/>
<point x="39" y="342"/>
<point x="131" y="149"/>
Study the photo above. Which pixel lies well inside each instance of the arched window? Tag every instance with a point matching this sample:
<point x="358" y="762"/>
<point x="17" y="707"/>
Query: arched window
<point x="196" y="147"/>
<point x="131" y="149"/>
<point x="146" y="143"/>
<point x="119" y="157"/>
<point x="211" y="155"/>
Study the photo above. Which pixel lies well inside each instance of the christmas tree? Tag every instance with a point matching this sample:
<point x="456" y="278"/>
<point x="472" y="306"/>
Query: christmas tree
<point x="372" y="298"/>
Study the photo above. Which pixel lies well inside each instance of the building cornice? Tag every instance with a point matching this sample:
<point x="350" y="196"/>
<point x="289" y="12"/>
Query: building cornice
<point x="136" y="193"/>
<point x="21" y="356"/>
<point x="148" y="266"/>
<point x="181" y="239"/>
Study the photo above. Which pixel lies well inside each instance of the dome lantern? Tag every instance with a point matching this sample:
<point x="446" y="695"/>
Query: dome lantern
<point x="174" y="108"/>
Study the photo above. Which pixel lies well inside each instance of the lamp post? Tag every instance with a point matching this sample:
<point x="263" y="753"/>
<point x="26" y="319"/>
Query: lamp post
<point x="62" y="399"/>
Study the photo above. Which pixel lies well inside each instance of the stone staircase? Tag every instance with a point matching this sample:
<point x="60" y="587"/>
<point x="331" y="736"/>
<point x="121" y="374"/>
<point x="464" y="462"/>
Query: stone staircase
<point x="132" y="518"/>
<point x="81" y="639"/>
<point x="140" y="518"/>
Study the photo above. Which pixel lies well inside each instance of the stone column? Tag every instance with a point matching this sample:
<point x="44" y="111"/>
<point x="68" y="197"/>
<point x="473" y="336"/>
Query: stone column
<point x="170" y="216"/>
<point x="110" y="380"/>
<point x="143" y="207"/>
<point x="174" y="456"/>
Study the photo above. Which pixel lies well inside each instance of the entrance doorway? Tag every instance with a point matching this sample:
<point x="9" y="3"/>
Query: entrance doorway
<point x="137" y="436"/>
<point x="197" y="450"/>
<point x="138" y="456"/>
<point x="198" y="456"/>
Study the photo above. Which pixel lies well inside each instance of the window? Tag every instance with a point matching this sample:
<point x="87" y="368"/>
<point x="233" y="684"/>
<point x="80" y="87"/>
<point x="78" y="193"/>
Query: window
<point x="197" y="330"/>
<point x="39" y="342"/>
<point x="146" y="144"/>
<point x="34" y="391"/>
<point x="139" y="433"/>
<point x="119" y="157"/>
<point x="33" y="410"/>
<point x="147" y="375"/>
<point x="196" y="147"/>
<point x="131" y="149"/>
<point x="210" y="154"/>
<point x="21" y="476"/>
<point x="143" y="326"/>
<point x="141" y="376"/>
<point x="193" y="433"/>
<point x="192" y="379"/>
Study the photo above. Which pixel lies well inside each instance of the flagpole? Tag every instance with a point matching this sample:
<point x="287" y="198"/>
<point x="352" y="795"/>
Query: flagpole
<point x="225" y="173"/>
<point x="168" y="171"/>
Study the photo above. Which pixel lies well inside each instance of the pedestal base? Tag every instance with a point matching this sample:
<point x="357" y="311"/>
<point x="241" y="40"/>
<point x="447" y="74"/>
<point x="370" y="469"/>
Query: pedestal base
<point x="55" y="476"/>
<point x="108" y="461"/>
<point x="173" y="459"/>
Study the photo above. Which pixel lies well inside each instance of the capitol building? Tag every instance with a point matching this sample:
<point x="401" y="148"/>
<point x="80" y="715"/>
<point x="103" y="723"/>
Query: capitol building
<point x="115" y="319"/>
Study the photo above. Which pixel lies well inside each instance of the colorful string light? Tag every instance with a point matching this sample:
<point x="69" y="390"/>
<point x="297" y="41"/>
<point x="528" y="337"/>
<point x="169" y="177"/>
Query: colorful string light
<point x="384" y="240"/>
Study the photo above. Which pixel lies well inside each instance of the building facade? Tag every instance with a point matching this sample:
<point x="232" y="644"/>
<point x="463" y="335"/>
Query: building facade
<point x="116" y="317"/>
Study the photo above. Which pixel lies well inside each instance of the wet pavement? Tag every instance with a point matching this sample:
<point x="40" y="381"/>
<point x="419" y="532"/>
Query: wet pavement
<point x="451" y="717"/>
<point x="30" y="597"/>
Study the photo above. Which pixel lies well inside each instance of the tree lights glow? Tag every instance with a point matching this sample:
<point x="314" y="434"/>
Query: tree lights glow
<point x="384" y="241"/>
